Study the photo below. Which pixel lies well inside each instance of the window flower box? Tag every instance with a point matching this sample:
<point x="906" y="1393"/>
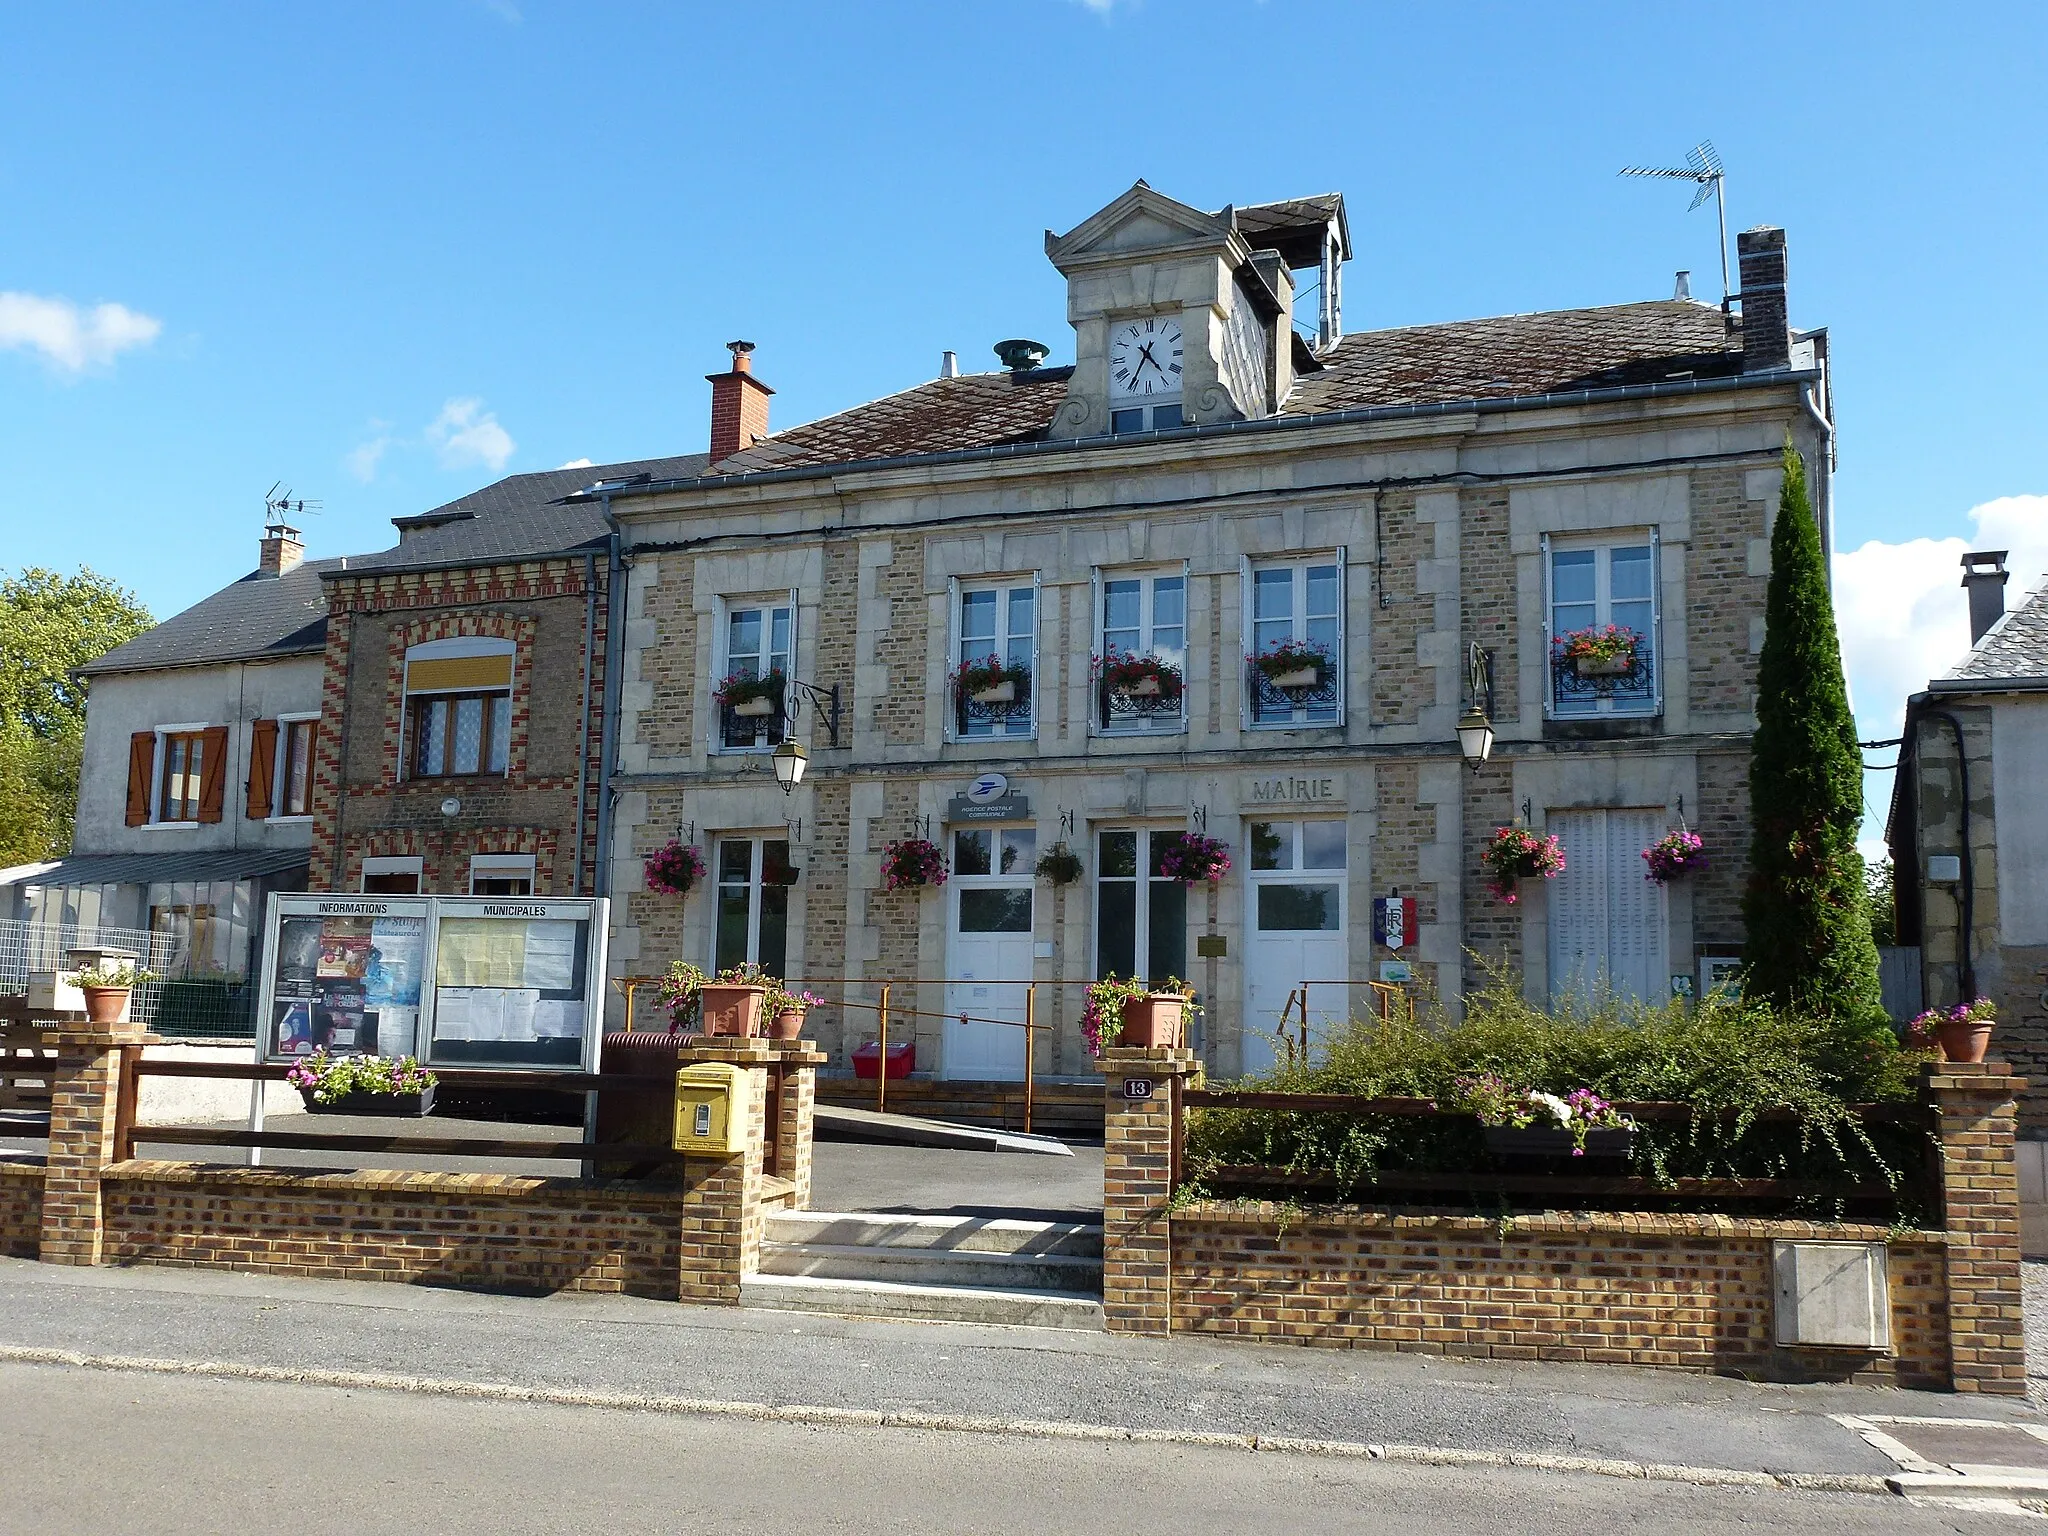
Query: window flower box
<point x="749" y="696"/>
<point x="1004" y="692"/>
<point x="1544" y="1141"/>
<point x="1529" y="1123"/>
<point x="1603" y="651"/>
<point x="1291" y="665"/>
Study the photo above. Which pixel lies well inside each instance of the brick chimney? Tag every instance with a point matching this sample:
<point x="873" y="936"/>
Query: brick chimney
<point x="1766" y="331"/>
<point x="739" y="405"/>
<point x="280" y="551"/>
<point x="1985" y="575"/>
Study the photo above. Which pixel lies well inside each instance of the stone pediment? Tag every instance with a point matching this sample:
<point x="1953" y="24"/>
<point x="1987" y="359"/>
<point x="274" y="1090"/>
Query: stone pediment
<point x="1139" y="221"/>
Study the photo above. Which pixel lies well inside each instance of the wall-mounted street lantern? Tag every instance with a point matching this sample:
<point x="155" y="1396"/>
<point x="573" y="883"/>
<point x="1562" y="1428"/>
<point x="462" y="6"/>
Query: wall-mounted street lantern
<point x="790" y="762"/>
<point x="823" y="702"/>
<point x="1475" y="729"/>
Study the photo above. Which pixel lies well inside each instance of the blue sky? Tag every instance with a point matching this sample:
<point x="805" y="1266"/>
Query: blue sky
<point x="381" y="252"/>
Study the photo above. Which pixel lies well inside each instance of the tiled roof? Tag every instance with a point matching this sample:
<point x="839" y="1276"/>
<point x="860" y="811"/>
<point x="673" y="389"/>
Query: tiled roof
<point x="256" y="618"/>
<point x="515" y="518"/>
<point x="1494" y="359"/>
<point x="2016" y="646"/>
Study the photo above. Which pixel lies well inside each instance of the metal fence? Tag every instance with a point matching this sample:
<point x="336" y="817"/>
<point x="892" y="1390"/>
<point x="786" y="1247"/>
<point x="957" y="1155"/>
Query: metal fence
<point x="207" y="1006"/>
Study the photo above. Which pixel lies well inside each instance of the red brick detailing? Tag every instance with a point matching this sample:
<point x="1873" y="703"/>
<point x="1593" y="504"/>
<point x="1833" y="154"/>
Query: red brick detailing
<point x="1137" y="1179"/>
<point x="444" y="855"/>
<point x="739" y="408"/>
<point x="1976" y="1108"/>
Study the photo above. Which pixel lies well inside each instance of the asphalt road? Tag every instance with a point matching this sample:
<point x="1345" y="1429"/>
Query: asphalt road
<point x="106" y="1451"/>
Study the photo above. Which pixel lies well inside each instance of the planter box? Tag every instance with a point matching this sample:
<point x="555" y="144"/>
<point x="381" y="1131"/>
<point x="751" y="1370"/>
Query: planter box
<point x="1001" y="693"/>
<point x="1154" y="1019"/>
<point x="1548" y="1141"/>
<point x="731" y="1010"/>
<point x="1613" y="666"/>
<point x="758" y="708"/>
<point x="404" y="1106"/>
<point x="1299" y="677"/>
<point x="1143" y="688"/>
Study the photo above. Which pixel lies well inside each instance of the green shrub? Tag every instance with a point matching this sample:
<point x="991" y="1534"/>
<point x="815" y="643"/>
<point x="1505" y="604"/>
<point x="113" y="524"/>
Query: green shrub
<point x="1730" y="1060"/>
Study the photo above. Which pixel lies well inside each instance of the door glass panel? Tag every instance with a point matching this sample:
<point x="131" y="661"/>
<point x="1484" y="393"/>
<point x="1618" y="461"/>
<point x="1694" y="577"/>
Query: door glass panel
<point x="971" y="852"/>
<point x="1116" y="928"/>
<point x="771" y="953"/>
<point x="1020" y="850"/>
<point x="986" y="910"/>
<point x="1119" y="855"/>
<point x="735" y="902"/>
<point x="1272" y="845"/>
<point x="1322" y="845"/>
<point x="1297" y="908"/>
<point x="1166" y="937"/>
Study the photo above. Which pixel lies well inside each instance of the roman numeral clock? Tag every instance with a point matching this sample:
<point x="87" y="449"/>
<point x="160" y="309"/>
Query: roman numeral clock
<point x="1145" y="374"/>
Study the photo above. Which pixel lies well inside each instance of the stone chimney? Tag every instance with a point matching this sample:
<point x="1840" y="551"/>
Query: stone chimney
<point x="1766" y="330"/>
<point x="1985" y="575"/>
<point x="739" y="405"/>
<point x="280" y="550"/>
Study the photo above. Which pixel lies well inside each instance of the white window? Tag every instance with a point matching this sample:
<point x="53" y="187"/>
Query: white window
<point x="392" y="874"/>
<point x="1295" y="619"/>
<point x="995" y="660"/>
<point x="754" y="881"/>
<point x="458" y="707"/>
<point x="1603" y="597"/>
<point x="756" y="642"/>
<point x="501" y="874"/>
<point x="292" y="795"/>
<point x="1141" y="917"/>
<point x="1141" y="619"/>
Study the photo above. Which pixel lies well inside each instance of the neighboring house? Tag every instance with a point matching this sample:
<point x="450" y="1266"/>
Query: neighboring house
<point x="195" y="794"/>
<point x="1202" y="485"/>
<point x="463" y="679"/>
<point x="1969" y="827"/>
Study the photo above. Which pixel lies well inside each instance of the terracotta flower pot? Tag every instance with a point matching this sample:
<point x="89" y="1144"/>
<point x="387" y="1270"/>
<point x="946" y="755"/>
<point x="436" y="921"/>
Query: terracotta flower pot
<point x="730" y="1009"/>
<point x="1921" y="1037"/>
<point x="1964" y="1040"/>
<point x="787" y="1024"/>
<point x="1154" y="1019"/>
<point x="106" y="1005"/>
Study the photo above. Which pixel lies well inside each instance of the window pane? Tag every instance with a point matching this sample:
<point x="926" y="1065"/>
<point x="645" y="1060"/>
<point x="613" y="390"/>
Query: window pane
<point x="1020" y="852"/>
<point x="735" y="861"/>
<point x="1130" y="419"/>
<point x="775" y="870"/>
<point x="1322" y="590"/>
<point x="1273" y="594"/>
<point x="434" y="737"/>
<point x="469" y="735"/>
<point x="1322" y="845"/>
<point x="1166" y="935"/>
<point x="972" y="853"/>
<point x="743" y="639"/>
<point x="1571" y="576"/>
<point x="1272" y="845"/>
<point x="1160" y="845"/>
<point x="1120" y="606"/>
<point x="1116" y="928"/>
<point x="1297" y="908"/>
<point x="501" y="733"/>
<point x="773" y="952"/>
<point x="988" y="909"/>
<point x="733" y="902"/>
<point x="1022" y="605"/>
<point x="978" y="616"/>
<point x="1119" y="855"/>
<point x="1572" y="616"/>
<point x="1628" y="574"/>
<point x="778" y="640"/>
<point x="1166" y="417"/>
<point x="1169" y="601"/>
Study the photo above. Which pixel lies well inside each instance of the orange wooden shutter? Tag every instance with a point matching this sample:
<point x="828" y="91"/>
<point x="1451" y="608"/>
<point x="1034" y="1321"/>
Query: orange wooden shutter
<point x="262" y="768"/>
<point x="213" y="772"/>
<point x="141" y="767"/>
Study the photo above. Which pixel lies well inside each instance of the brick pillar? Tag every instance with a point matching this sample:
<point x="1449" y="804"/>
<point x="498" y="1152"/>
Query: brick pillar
<point x="793" y="1112"/>
<point x="722" y="1195"/>
<point x="1137" y="1182"/>
<point x="84" y="1098"/>
<point x="1975" y="1112"/>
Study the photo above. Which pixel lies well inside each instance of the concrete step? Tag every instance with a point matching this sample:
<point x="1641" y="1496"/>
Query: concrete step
<point x="933" y="1266"/>
<point x="958" y="1234"/>
<point x="937" y="1303"/>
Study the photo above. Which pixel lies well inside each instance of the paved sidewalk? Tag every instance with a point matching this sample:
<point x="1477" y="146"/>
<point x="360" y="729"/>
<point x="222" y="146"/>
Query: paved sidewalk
<point x="609" y="1345"/>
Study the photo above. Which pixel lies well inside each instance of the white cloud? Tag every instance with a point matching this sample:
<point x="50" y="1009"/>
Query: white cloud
<point x="1904" y="618"/>
<point x="466" y="433"/>
<point x="578" y="464"/>
<point x="364" y="458"/>
<point x="72" y="338"/>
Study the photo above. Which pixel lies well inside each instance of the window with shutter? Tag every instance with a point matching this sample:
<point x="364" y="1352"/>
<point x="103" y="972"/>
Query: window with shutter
<point x="141" y="770"/>
<point x="262" y="767"/>
<point x="213" y="773"/>
<point x="1607" y="923"/>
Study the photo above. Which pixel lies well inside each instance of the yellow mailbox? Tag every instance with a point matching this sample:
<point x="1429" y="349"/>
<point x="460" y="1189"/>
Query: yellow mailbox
<point x="711" y="1109"/>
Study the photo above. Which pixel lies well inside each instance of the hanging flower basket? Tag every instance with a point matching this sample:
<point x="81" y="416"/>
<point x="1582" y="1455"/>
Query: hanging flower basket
<point x="1140" y="677"/>
<point x="1675" y="854"/>
<point x="1192" y="858"/>
<point x="991" y="680"/>
<point x="1059" y="864"/>
<point x="1608" y="651"/>
<point x="1294" y="664"/>
<point x="913" y="862"/>
<point x="749" y="696"/>
<point x="1514" y="854"/>
<point x="673" y="868"/>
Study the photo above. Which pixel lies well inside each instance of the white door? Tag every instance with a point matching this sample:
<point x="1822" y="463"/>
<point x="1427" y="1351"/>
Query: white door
<point x="988" y="952"/>
<point x="1297" y="926"/>
<point x="1607" y="924"/>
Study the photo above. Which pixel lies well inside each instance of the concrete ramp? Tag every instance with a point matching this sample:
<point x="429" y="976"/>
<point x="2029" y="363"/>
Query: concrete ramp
<point x="838" y="1122"/>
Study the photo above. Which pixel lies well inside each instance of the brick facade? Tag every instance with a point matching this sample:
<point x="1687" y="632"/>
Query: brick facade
<point x="365" y="804"/>
<point x="21" y="1210"/>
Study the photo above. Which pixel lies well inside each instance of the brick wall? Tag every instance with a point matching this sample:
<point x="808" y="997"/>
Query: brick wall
<point x="1976" y="1113"/>
<point x="669" y="664"/>
<point x="1493" y="928"/>
<point x="1403" y="827"/>
<point x="1680" y="1292"/>
<point x="1722" y="597"/>
<point x="825" y="887"/>
<point x="1401" y="685"/>
<point x="21" y="1210"/>
<point x="1722" y="818"/>
<point x="415" y="1228"/>
<point x="1489" y="600"/>
<point x="903" y="647"/>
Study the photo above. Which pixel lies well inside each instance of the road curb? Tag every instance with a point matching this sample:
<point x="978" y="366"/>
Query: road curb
<point x="871" y="1418"/>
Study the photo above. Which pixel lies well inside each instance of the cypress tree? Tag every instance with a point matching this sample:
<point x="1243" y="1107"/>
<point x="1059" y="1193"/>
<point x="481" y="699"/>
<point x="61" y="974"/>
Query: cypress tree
<point x="1808" y="944"/>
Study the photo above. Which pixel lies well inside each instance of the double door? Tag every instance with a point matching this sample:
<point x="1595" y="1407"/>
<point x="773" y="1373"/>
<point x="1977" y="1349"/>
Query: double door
<point x="1607" y="922"/>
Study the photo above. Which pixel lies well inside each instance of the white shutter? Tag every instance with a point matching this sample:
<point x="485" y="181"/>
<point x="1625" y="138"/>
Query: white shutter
<point x="1037" y="631"/>
<point x="1577" y="901"/>
<point x="1549" y="676"/>
<point x="1094" y="644"/>
<point x="1343" y="653"/>
<point x="1635" y="939"/>
<point x="1657" y="621"/>
<point x="1244" y="641"/>
<point x="948" y="712"/>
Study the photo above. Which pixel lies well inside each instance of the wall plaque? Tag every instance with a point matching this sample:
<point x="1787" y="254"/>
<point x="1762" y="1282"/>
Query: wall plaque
<point x="1293" y="789"/>
<point x="1004" y="807"/>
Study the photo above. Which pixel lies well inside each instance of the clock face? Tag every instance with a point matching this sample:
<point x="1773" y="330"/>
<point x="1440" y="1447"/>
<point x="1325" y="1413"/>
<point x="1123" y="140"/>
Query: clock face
<point x="1144" y="358"/>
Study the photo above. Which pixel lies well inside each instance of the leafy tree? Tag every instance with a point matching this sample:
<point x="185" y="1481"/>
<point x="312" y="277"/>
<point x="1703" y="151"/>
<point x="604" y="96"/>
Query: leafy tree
<point x="1808" y="945"/>
<point x="1881" y="891"/>
<point x="49" y="624"/>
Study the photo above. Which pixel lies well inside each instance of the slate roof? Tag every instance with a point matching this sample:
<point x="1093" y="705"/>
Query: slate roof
<point x="515" y="518"/>
<point x="2015" y="647"/>
<point x="256" y="618"/>
<point x="1506" y="357"/>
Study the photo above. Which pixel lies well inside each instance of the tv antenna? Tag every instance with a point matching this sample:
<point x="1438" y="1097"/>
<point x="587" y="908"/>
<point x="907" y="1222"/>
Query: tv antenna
<point x="279" y="506"/>
<point x="1703" y="166"/>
